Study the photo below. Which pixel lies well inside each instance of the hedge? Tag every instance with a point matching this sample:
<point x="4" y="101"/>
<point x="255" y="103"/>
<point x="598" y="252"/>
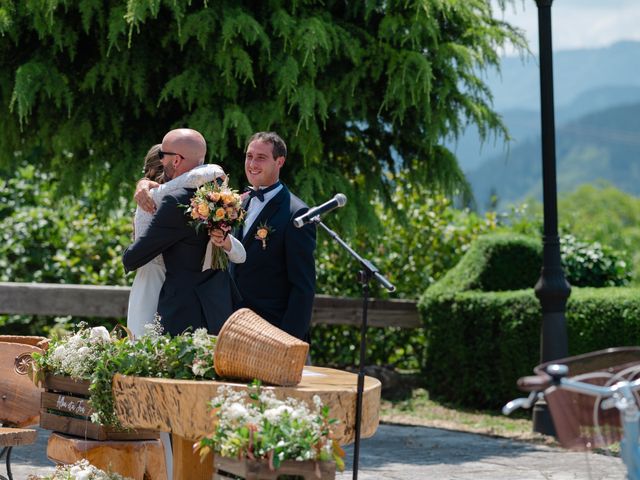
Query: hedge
<point x="480" y="342"/>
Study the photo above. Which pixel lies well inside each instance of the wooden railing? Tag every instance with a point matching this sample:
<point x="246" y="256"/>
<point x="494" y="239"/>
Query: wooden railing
<point x="111" y="302"/>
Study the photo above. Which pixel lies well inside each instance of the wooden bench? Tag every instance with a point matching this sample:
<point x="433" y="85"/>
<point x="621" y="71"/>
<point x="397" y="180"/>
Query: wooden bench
<point x="19" y="396"/>
<point x="14" y="437"/>
<point x="137" y="459"/>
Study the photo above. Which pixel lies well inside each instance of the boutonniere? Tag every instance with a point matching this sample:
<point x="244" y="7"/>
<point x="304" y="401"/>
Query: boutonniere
<point x="262" y="234"/>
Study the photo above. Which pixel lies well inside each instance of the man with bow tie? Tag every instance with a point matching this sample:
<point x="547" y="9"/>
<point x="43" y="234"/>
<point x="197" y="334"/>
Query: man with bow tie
<point x="277" y="279"/>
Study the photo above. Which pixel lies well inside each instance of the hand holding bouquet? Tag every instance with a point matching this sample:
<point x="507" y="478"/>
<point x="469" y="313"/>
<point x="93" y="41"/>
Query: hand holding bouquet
<point x="217" y="207"/>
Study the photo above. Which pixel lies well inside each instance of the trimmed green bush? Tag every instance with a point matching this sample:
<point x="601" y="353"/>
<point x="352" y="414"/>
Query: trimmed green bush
<point x="482" y="319"/>
<point x="480" y="343"/>
<point x="495" y="262"/>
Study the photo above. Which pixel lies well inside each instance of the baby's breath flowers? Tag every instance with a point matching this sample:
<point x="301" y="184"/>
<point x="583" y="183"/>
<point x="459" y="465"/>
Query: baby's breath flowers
<point x="257" y="425"/>
<point x="75" y="355"/>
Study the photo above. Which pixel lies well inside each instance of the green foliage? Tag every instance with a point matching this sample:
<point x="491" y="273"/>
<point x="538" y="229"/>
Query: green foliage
<point x="479" y="344"/>
<point x="46" y="238"/>
<point x="357" y="89"/>
<point x="604" y="214"/>
<point x="417" y="241"/>
<point x="469" y="302"/>
<point x="495" y="263"/>
<point x="592" y="265"/>
<point x="490" y="339"/>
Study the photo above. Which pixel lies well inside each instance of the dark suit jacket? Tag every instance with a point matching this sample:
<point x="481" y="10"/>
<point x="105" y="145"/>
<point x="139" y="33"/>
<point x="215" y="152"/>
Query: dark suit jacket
<point x="189" y="296"/>
<point x="278" y="282"/>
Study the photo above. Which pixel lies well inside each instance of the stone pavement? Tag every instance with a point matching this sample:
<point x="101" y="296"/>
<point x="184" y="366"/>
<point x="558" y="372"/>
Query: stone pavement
<point x="398" y="452"/>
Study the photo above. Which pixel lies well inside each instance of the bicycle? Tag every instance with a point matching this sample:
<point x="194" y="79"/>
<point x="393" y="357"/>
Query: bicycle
<point x="582" y="406"/>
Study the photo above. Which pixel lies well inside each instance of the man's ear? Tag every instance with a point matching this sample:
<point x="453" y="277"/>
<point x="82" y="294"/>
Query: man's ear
<point x="280" y="161"/>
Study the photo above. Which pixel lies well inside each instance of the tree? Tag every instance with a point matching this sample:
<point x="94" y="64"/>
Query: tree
<point x="357" y="89"/>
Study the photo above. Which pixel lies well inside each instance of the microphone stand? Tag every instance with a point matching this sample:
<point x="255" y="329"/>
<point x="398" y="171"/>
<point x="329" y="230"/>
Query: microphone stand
<point x="367" y="272"/>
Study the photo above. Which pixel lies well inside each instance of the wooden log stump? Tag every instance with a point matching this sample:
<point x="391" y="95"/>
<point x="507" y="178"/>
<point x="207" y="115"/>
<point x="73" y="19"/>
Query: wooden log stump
<point x="181" y="407"/>
<point x="137" y="459"/>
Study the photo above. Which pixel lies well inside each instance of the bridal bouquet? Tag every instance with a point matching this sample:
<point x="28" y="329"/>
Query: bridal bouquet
<point x="256" y="425"/>
<point x="216" y="207"/>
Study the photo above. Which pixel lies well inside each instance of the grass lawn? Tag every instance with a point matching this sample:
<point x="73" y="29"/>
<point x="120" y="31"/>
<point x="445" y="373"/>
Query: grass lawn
<point x="419" y="409"/>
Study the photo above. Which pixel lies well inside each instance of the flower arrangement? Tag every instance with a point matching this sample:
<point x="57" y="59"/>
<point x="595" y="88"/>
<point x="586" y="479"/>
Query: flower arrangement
<point x="257" y="425"/>
<point x="81" y="470"/>
<point x="216" y="206"/>
<point x="96" y="355"/>
<point x="75" y="355"/>
<point x="262" y="234"/>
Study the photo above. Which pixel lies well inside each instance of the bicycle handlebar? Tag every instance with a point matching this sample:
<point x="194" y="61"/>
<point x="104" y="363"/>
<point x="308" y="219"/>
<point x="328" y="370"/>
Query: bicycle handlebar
<point x="535" y="383"/>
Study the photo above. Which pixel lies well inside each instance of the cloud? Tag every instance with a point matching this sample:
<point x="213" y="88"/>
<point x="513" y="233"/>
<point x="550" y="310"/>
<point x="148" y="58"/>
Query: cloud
<point x="578" y="23"/>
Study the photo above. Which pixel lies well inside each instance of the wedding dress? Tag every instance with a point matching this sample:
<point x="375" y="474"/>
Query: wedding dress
<point x="143" y="299"/>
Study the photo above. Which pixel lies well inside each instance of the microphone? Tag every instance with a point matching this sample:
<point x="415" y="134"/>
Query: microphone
<point x="339" y="200"/>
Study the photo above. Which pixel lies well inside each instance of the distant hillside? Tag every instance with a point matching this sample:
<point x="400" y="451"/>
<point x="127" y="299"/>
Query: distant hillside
<point x="601" y="145"/>
<point x="585" y="81"/>
<point x="575" y="72"/>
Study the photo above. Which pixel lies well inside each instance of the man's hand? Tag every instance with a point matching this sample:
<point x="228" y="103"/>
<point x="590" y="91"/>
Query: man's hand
<point x="143" y="195"/>
<point x="220" y="239"/>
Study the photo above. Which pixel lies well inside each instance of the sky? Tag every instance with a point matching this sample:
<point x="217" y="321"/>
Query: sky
<point x="579" y="23"/>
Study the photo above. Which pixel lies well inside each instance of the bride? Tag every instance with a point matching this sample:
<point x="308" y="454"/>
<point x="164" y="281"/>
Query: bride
<point x="143" y="299"/>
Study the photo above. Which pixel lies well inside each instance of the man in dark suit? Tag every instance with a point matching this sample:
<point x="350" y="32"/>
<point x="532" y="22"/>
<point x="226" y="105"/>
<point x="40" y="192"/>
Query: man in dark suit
<point x="189" y="297"/>
<point x="277" y="279"/>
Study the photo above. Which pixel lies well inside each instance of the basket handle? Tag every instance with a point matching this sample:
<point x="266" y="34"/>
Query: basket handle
<point x="535" y="383"/>
<point x="125" y="329"/>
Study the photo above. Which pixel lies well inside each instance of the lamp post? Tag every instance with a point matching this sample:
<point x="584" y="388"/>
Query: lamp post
<point x="552" y="289"/>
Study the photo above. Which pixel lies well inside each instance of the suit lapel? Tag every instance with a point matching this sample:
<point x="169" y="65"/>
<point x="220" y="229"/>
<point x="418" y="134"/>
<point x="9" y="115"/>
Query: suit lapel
<point x="266" y="213"/>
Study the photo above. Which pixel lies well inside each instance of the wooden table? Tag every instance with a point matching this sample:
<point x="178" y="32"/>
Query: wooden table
<point x="181" y="407"/>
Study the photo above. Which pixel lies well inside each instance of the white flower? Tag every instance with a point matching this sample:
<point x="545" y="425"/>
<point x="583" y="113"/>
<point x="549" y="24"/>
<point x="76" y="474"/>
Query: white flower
<point x="236" y="411"/>
<point x="201" y="339"/>
<point x="84" y="351"/>
<point x="273" y="414"/>
<point x="83" y="475"/>
<point x="199" y="368"/>
<point x="100" y="334"/>
<point x="75" y="470"/>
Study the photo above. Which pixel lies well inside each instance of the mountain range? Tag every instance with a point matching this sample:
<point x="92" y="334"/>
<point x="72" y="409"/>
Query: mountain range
<point x="597" y="112"/>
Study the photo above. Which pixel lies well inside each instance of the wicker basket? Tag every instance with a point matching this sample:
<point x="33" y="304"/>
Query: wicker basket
<point x="579" y="420"/>
<point x="249" y="347"/>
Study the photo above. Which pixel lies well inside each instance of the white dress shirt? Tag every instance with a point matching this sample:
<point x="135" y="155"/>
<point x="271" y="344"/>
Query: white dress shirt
<point x="255" y="206"/>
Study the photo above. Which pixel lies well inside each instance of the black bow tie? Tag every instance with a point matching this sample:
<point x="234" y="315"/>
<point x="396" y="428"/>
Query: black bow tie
<point x="259" y="194"/>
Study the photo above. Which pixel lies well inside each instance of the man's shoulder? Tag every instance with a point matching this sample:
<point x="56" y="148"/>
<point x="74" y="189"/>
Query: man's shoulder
<point x="295" y="202"/>
<point x="179" y="194"/>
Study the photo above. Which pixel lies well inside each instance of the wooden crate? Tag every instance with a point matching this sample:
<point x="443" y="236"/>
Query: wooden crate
<point x="65" y="408"/>
<point x="259" y="469"/>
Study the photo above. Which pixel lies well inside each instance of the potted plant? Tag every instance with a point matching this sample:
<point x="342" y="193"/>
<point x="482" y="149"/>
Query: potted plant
<point x="256" y="432"/>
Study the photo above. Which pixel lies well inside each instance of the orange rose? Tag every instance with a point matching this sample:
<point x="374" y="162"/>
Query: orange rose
<point x="194" y="214"/>
<point x="262" y="233"/>
<point x="214" y="196"/>
<point x="220" y="213"/>
<point x="203" y="210"/>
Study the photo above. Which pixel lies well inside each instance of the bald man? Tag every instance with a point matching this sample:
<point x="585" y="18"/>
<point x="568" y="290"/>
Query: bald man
<point x="190" y="297"/>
